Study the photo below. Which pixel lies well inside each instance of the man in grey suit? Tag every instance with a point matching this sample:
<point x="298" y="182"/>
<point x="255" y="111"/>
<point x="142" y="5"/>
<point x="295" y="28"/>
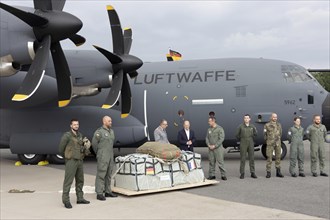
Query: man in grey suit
<point x="160" y="132"/>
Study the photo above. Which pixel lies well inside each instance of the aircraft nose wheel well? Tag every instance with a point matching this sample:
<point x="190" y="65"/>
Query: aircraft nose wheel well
<point x="283" y="151"/>
<point x="31" y="158"/>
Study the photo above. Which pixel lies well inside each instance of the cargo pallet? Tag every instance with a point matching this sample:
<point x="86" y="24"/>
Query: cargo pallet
<point x="128" y="192"/>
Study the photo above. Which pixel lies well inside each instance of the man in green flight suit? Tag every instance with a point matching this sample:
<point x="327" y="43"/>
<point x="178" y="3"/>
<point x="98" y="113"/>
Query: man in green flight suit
<point x="316" y="134"/>
<point x="214" y="138"/>
<point x="246" y="133"/>
<point x="73" y="147"/>
<point x="102" y="143"/>
<point x="272" y="136"/>
<point x="295" y="137"/>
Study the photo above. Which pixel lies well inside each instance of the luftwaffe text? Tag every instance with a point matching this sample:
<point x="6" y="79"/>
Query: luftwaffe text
<point x="186" y="77"/>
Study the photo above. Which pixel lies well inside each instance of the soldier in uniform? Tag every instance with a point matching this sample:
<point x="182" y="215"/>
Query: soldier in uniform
<point x="316" y="134"/>
<point x="160" y="132"/>
<point x="73" y="147"/>
<point x="214" y="138"/>
<point x="245" y="133"/>
<point x="272" y="136"/>
<point x="102" y="143"/>
<point x="295" y="137"/>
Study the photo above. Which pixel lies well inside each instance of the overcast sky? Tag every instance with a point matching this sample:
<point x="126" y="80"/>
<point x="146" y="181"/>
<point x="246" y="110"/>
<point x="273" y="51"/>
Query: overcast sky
<point x="296" y="31"/>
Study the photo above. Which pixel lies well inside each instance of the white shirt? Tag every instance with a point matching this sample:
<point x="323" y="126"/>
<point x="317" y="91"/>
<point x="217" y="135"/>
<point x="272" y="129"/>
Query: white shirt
<point x="187" y="133"/>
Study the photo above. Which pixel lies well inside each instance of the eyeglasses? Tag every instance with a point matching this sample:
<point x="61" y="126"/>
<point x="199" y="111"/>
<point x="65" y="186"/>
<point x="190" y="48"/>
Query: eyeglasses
<point x="165" y="124"/>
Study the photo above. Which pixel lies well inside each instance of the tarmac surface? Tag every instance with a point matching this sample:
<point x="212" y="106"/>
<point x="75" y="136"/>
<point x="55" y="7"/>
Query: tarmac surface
<point x="274" y="198"/>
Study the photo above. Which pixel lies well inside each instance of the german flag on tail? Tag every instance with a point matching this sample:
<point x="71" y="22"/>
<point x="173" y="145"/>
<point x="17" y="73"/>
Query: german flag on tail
<point x="173" y="56"/>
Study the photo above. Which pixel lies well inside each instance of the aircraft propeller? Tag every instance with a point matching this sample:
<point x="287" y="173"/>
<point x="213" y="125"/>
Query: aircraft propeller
<point x="122" y="63"/>
<point x="50" y="25"/>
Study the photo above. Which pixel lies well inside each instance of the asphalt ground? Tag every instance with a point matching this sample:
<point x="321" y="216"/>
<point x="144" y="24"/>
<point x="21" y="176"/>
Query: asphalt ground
<point x="308" y="196"/>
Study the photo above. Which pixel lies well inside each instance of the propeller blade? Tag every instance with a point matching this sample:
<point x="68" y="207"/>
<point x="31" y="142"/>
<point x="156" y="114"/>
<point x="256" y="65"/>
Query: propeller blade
<point x="127" y="40"/>
<point x="133" y="74"/>
<point x="126" y="98"/>
<point x="57" y="5"/>
<point x="114" y="59"/>
<point x="117" y="32"/>
<point x="31" y="19"/>
<point x="63" y="75"/>
<point x="36" y="72"/>
<point x="78" y="40"/>
<point x="117" y="81"/>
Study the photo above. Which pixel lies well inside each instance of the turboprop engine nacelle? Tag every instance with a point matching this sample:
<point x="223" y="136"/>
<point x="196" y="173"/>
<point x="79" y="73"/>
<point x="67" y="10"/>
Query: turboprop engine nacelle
<point x="14" y="56"/>
<point x="8" y="67"/>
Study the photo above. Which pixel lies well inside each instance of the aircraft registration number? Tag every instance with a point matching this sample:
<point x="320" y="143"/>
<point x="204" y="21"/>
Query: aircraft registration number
<point x="289" y="102"/>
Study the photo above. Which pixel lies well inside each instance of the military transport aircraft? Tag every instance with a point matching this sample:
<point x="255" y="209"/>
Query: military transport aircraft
<point x="35" y="87"/>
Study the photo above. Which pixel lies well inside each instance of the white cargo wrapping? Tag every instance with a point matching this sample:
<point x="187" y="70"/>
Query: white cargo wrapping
<point x="144" y="172"/>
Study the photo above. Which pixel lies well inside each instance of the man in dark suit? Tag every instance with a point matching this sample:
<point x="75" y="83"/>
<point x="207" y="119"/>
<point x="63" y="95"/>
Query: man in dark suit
<point x="186" y="137"/>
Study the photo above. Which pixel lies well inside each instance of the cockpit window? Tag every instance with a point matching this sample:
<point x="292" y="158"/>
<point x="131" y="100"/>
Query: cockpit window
<point x="292" y="73"/>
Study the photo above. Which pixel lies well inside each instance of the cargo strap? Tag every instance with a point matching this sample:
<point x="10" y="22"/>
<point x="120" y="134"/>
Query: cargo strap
<point x="113" y="175"/>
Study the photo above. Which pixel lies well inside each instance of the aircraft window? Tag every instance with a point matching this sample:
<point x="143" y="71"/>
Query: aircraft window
<point x="181" y="113"/>
<point x="211" y="114"/>
<point x="288" y="77"/>
<point x="310" y="99"/>
<point x="259" y="118"/>
<point x="293" y="73"/>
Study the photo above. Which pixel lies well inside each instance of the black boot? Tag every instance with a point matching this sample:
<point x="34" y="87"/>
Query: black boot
<point x="323" y="174"/>
<point x="278" y="173"/>
<point x="253" y="175"/>
<point x="268" y="175"/>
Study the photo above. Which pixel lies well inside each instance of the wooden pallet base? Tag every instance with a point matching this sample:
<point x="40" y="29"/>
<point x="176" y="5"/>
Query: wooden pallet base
<point x="128" y="192"/>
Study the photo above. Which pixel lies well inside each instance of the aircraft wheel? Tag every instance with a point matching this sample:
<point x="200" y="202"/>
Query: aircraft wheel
<point x="327" y="137"/>
<point x="263" y="150"/>
<point x="56" y="159"/>
<point x="283" y="151"/>
<point x="31" y="158"/>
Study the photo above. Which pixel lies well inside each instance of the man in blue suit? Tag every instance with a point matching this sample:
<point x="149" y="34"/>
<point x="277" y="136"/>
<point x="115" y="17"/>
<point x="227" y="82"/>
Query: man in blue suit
<point x="186" y="137"/>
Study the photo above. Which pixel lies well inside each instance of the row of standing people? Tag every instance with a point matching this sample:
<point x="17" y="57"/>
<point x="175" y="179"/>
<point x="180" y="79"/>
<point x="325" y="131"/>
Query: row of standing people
<point x="74" y="147"/>
<point x="246" y="133"/>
